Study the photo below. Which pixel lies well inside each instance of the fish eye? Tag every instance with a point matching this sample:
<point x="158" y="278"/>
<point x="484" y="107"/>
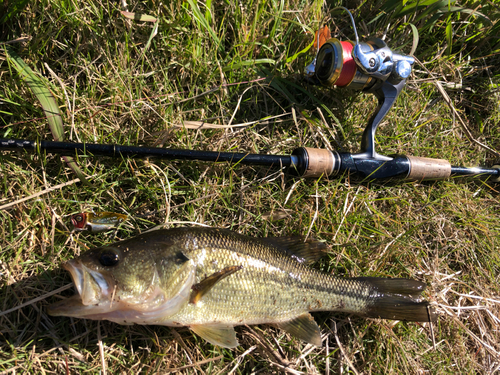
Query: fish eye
<point x="78" y="217"/>
<point x="180" y="258"/>
<point x="109" y="258"/>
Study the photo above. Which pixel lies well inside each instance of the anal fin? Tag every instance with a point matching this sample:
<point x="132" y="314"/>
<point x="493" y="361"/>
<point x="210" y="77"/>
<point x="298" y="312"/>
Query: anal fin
<point x="303" y="327"/>
<point x="223" y="336"/>
<point x="200" y="289"/>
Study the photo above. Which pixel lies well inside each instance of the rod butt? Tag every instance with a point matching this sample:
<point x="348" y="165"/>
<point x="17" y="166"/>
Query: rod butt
<point x="428" y="169"/>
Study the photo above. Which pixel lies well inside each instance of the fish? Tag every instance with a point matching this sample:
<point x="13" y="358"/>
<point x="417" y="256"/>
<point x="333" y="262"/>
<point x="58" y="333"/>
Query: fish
<point x="211" y="280"/>
<point x="97" y="221"/>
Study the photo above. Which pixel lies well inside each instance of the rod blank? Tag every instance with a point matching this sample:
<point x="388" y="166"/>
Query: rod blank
<point x="69" y="149"/>
<point x="304" y="161"/>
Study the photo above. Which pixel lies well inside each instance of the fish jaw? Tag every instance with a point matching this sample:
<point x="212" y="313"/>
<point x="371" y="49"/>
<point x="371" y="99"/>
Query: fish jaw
<point x="72" y="307"/>
<point x="93" y="293"/>
<point x="92" y="287"/>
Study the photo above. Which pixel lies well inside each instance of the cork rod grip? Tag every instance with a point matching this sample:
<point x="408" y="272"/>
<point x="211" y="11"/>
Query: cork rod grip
<point x="428" y="169"/>
<point x="320" y="162"/>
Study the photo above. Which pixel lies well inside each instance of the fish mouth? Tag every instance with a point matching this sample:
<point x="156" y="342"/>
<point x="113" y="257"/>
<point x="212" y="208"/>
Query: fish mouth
<point x="91" y="285"/>
<point x="93" y="292"/>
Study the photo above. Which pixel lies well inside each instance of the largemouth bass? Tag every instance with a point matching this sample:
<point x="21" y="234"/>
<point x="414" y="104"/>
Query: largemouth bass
<point x="211" y="280"/>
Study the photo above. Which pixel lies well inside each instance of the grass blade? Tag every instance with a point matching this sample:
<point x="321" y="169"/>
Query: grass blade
<point x="248" y="63"/>
<point x="48" y="103"/>
<point x="415" y="39"/>
<point x="201" y="20"/>
<point x="208" y="12"/>
<point x="138" y="16"/>
<point x="277" y="20"/>
<point x="449" y="35"/>
<point x="41" y="92"/>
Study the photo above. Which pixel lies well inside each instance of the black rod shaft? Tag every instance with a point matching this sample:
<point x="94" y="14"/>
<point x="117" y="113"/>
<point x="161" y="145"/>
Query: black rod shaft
<point x="474" y="171"/>
<point x="69" y="149"/>
<point x="298" y="162"/>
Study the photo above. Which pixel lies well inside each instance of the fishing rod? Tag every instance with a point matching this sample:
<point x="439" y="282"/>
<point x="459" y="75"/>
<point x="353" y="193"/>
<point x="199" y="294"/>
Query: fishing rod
<point x="304" y="161"/>
<point x="369" y="66"/>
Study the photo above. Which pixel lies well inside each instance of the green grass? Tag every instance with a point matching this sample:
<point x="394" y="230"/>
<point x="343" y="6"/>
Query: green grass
<point x="128" y="82"/>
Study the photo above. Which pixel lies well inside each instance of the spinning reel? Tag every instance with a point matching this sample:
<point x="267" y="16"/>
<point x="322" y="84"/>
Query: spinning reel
<point x="369" y="66"/>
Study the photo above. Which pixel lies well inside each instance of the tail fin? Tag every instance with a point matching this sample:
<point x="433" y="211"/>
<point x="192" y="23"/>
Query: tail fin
<point x="398" y="299"/>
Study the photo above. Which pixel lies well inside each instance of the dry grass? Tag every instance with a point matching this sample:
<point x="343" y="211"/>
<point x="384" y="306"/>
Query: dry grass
<point x="123" y="81"/>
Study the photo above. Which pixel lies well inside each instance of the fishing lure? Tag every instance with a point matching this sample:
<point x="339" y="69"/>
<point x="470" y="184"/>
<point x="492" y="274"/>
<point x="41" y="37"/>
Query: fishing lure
<point x="97" y="221"/>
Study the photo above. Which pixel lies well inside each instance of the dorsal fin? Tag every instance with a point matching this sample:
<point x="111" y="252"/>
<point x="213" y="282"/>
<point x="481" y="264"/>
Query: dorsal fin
<point x="303" y="327"/>
<point x="200" y="289"/>
<point x="305" y="252"/>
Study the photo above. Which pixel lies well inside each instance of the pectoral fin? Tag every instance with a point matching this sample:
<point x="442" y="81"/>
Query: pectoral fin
<point x="223" y="336"/>
<point x="200" y="289"/>
<point x="303" y="327"/>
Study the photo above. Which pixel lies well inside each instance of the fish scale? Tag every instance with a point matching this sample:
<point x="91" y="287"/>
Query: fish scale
<point x="214" y="279"/>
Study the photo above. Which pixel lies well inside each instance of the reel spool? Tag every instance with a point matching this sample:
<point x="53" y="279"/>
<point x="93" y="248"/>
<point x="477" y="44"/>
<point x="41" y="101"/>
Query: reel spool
<point x="335" y="66"/>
